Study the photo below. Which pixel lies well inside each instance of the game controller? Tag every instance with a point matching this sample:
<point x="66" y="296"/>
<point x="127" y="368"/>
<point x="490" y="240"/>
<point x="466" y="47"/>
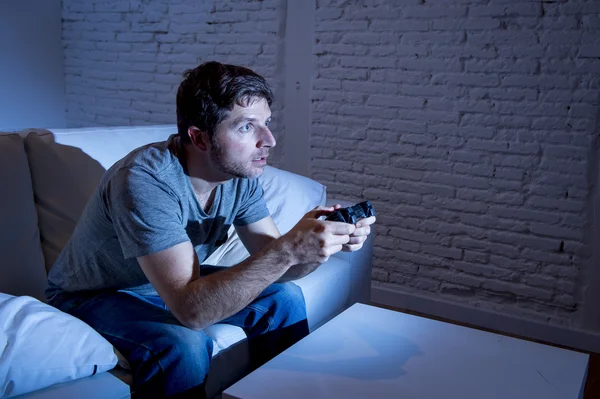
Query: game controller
<point x="353" y="213"/>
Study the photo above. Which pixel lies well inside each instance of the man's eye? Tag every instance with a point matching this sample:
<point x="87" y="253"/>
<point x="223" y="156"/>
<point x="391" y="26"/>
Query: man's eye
<point x="267" y="123"/>
<point x="246" y="128"/>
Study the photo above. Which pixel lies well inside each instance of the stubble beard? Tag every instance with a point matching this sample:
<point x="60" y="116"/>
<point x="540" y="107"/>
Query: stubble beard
<point x="229" y="167"/>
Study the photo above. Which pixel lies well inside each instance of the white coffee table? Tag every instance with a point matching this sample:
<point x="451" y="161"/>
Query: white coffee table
<point x="369" y="352"/>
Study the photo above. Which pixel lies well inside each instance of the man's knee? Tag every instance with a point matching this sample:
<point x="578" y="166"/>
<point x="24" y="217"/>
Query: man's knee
<point x="289" y="300"/>
<point x="289" y="292"/>
<point x="183" y="356"/>
<point x="187" y="349"/>
<point x="287" y="323"/>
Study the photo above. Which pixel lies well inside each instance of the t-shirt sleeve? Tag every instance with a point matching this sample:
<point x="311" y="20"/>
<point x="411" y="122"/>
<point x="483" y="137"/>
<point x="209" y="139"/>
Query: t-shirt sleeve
<point x="253" y="206"/>
<point x="145" y="213"/>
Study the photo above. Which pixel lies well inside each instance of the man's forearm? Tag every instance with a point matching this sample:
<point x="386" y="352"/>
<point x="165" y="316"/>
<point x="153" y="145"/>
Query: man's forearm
<point x="298" y="271"/>
<point x="219" y="295"/>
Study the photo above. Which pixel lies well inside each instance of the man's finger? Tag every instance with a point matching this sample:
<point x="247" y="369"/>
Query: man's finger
<point x="338" y="240"/>
<point x="366" y="221"/>
<point x="362" y="231"/>
<point x="334" y="249"/>
<point x="351" y="248"/>
<point x="319" y="211"/>
<point x="339" y="228"/>
<point x="357" y="240"/>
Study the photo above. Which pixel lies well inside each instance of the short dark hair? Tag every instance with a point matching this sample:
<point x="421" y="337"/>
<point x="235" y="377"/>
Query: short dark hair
<point x="209" y="92"/>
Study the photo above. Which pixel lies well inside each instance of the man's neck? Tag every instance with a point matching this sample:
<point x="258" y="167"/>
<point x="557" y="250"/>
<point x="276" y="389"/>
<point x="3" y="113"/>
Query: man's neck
<point x="203" y="176"/>
<point x="206" y="200"/>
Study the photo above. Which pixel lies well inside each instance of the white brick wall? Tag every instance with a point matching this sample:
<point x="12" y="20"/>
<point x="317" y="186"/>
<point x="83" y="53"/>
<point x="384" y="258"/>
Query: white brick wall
<point x="124" y="59"/>
<point x="469" y="125"/>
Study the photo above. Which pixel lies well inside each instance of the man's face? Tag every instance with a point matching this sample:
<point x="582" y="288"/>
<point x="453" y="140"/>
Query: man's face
<point x="240" y="145"/>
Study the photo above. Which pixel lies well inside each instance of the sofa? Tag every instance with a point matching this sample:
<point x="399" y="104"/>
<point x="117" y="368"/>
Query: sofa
<point x="46" y="178"/>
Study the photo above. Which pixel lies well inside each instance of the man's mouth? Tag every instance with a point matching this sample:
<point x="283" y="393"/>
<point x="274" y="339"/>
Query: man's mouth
<point x="261" y="158"/>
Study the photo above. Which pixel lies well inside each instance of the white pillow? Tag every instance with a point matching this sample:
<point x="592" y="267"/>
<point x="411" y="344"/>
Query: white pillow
<point x="41" y="346"/>
<point x="289" y="196"/>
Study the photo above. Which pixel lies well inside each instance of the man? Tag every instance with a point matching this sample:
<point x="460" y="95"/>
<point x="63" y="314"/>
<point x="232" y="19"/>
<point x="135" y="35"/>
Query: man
<point x="133" y="266"/>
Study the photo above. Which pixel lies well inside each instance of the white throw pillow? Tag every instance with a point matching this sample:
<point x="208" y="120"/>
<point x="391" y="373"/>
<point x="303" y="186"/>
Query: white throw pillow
<point x="41" y="346"/>
<point x="289" y="196"/>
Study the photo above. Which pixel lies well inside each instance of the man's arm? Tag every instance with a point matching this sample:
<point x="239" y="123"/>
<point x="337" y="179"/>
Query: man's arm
<point x="256" y="236"/>
<point x="356" y="241"/>
<point x="199" y="302"/>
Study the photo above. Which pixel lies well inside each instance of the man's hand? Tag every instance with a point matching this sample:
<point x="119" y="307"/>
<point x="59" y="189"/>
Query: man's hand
<point x="362" y="231"/>
<point x="358" y="238"/>
<point x="313" y="240"/>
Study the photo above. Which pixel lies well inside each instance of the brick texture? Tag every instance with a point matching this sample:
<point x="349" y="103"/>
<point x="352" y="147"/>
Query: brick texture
<point x="469" y="126"/>
<point x="124" y="59"/>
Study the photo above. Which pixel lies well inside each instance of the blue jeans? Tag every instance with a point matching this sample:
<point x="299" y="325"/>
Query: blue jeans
<point x="170" y="360"/>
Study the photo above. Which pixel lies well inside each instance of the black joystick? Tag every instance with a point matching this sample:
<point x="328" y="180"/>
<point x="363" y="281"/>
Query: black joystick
<point x="353" y="213"/>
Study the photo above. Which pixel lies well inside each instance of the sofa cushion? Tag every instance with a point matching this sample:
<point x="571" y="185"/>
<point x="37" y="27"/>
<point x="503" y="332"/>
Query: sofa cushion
<point x="107" y="145"/>
<point x="21" y="258"/>
<point x="288" y="196"/>
<point x="97" y="386"/>
<point x="63" y="178"/>
<point x="41" y="346"/>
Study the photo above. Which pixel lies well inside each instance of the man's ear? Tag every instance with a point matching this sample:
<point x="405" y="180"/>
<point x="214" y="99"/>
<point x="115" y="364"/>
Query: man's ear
<point x="198" y="138"/>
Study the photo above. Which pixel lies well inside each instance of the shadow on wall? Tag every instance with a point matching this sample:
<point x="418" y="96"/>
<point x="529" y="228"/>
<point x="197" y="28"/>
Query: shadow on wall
<point x="591" y="310"/>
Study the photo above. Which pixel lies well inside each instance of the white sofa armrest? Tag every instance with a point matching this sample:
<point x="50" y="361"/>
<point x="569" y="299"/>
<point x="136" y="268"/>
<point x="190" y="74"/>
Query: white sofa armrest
<point x="361" y="261"/>
<point x="361" y="265"/>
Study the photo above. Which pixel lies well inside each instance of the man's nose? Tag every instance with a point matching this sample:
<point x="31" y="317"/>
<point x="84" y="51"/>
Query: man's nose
<point x="266" y="139"/>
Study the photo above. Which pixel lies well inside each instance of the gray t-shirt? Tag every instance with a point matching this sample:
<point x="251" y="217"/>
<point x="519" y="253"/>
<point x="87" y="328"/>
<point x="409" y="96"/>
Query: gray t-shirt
<point x="145" y="203"/>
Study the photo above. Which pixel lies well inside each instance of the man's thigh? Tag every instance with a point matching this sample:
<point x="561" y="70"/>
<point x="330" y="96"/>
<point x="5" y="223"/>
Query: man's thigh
<point x="279" y="306"/>
<point x="147" y="334"/>
<point x="122" y="316"/>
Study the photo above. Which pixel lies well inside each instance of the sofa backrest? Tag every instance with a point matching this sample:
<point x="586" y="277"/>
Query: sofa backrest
<point x="66" y="165"/>
<point x="109" y="144"/>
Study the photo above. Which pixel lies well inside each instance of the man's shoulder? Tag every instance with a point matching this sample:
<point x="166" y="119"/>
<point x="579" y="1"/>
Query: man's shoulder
<point x="154" y="159"/>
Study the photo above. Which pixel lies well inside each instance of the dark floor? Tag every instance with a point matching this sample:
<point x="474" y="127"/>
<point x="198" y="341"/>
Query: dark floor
<point x="592" y="385"/>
